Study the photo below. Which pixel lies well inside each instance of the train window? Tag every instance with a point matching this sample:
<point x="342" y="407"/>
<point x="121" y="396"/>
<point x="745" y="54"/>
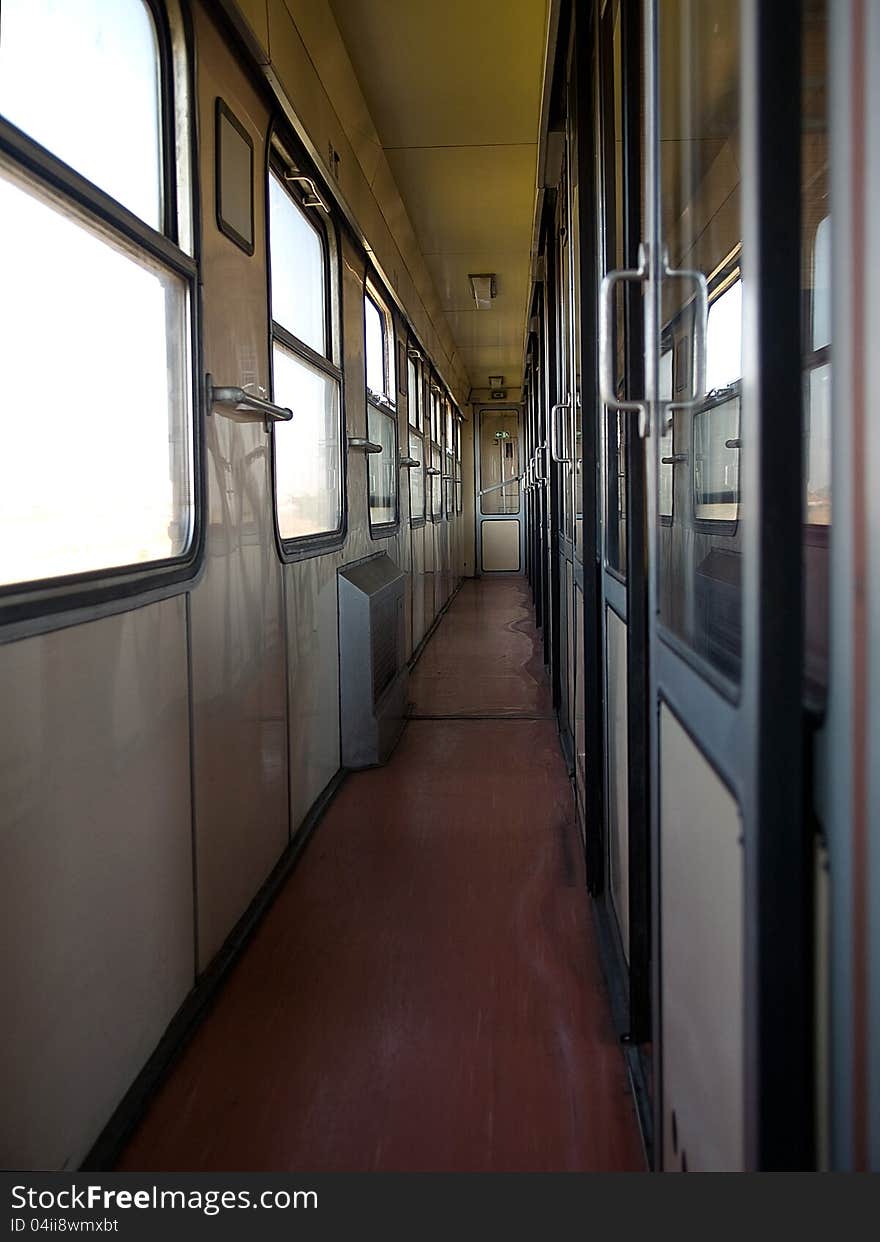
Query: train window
<point x="414" y="389"/>
<point x="499" y="462"/>
<point x="379" y="341"/>
<point x="436" y="494"/>
<point x="112" y="485"/>
<point x="436" y="425"/>
<point x="724" y="339"/>
<point x="308" y="450"/>
<point x="449" y="483"/>
<point x="384" y="468"/>
<point x="417" y="478"/>
<point x="458" y="491"/>
<point x="666" y="490"/>
<point x="817" y="385"/>
<point x="700" y="572"/>
<point x="299" y="268"/>
<point x="817" y="346"/>
<point x="716" y="426"/>
<point x="86" y="53"/>
<point x="615" y="492"/>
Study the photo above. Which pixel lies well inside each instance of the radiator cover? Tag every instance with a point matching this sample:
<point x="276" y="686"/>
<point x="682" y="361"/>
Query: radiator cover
<point x="373" y="675"/>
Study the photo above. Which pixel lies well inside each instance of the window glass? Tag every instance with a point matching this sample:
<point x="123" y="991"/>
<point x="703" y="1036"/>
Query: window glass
<point x="499" y="461"/>
<point x="822" y="284"/>
<point x="435" y="483"/>
<point x="667" y="477"/>
<point x="699" y="566"/>
<point x="716" y="463"/>
<point x="82" y="78"/>
<point x="375" y="346"/>
<point x="616" y="491"/>
<point x="417" y="477"/>
<point x="307" y="449"/>
<point x="724" y="339"/>
<point x="414" y="391"/>
<point x="110" y="482"/>
<point x="817" y="501"/>
<point x="297" y="264"/>
<point x="449" y="485"/>
<point x="384" y="468"/>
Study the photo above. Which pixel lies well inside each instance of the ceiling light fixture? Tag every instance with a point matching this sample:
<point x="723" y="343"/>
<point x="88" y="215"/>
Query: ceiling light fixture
<point x="484" y="289"/>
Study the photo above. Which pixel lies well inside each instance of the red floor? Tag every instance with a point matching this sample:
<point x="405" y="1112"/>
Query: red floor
<point x="425" y="993"/>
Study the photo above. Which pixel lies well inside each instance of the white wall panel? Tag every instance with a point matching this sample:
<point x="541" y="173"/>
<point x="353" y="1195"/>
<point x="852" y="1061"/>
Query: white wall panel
<point x="95" y="872"/>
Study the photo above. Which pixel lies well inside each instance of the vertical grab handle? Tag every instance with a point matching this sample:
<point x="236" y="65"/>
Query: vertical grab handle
<point x="555" y="411"/>
<point x="701" y="319"/>
<point x="607" y="393"/>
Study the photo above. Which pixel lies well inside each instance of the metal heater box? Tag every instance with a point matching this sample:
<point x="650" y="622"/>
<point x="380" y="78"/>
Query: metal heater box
<point x="373" y="674"/>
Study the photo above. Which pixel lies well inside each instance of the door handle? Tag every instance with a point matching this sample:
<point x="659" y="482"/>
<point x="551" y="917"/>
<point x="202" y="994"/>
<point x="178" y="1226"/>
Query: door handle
<point x="607" y="393"/>
<point x="555" y="411"/>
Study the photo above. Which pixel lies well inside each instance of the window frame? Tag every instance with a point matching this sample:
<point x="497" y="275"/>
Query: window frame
<point x="40" y="604"/>
<point x="282" y="154"/>
<point x="384" y="403"/>
<point x="728" y="276"/>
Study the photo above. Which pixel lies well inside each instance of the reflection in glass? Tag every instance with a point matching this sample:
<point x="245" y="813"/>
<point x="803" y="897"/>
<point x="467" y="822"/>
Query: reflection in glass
<point x="97" y="456"/>
<point x="499" y="461"/>
<point x="81" y="77"/>
<point x="384" y="470"/>
<point x="666" y="490"/>
<point x="307" y="453"/>
<point x="700" y="542"/>
<point x="417" y="478"/>
<point x="374" y="330"/>
<point x="297" y="265"/>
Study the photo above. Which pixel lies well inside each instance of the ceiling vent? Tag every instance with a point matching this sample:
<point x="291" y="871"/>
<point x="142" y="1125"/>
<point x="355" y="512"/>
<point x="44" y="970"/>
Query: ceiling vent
<point x="484" y="289"/>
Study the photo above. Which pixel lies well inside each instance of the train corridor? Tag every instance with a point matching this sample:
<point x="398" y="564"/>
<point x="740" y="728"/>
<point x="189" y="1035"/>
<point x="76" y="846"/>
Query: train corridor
<point x="425" y="992"/>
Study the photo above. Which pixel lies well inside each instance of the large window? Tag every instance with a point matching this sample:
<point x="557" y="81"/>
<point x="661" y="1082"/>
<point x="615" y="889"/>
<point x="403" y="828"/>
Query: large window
<point x="716" y="426"/>
<point x="305" y="377"/>
<point x="415" y="395"/>
<point x="96" y="309"/>
<point x="384" y="467"/>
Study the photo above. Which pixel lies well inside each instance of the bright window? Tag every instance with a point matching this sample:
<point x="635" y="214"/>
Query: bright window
<point x="379" y="343"/>
<point x="82" y="78"/>
<point x="414" y="392"/>
<point x="384" y="467"/>
<point x="417" y="478"/>
<point x="308" y="450"/>
<point x="724" y="339"/>
<point x="98" y="463"/>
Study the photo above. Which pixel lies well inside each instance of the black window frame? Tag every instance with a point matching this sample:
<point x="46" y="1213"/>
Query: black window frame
<point x="284" y="157"/>
<point x="39" y="604"/>
<point x="385" y="403"/>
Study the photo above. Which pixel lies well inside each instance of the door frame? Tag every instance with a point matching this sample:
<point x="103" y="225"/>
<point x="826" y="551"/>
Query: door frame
<point x="754" y="740"/>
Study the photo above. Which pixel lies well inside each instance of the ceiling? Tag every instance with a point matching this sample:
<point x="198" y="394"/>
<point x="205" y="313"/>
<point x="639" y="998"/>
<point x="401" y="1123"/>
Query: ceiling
<point x="454" y="91"/>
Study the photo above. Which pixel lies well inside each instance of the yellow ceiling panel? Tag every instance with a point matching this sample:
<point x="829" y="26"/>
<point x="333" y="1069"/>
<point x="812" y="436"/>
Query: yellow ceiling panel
<point x="468" y="198"/>
<point x="447" y="72"/>
<point x="453" y="88"/>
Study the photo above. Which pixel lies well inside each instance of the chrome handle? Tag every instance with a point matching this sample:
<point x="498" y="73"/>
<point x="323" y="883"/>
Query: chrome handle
<point x="554" y="431"/>
<point x="409" y="463"/>
<point x="733" y="444"/>
<point x="539" y="479"/>
<point x="246" y="405"/>
<point x="606" y="361"/>
<point x="676" y="457"/>
<point x="359" y="442"/>
<point x="701" y="319"/>
<point x="432" y="471"/>
<point x="496" y="487"/>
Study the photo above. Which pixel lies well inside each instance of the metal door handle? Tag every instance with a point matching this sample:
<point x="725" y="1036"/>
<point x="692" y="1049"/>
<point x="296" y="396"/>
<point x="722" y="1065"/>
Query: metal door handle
<point x="675" y="458"/>
<point x="246" y="405"/>
<point x="554" y="431"/>
<point x="409" y="463"/>
<point x="606" y="360"/>
<point x="359" y="442"/>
